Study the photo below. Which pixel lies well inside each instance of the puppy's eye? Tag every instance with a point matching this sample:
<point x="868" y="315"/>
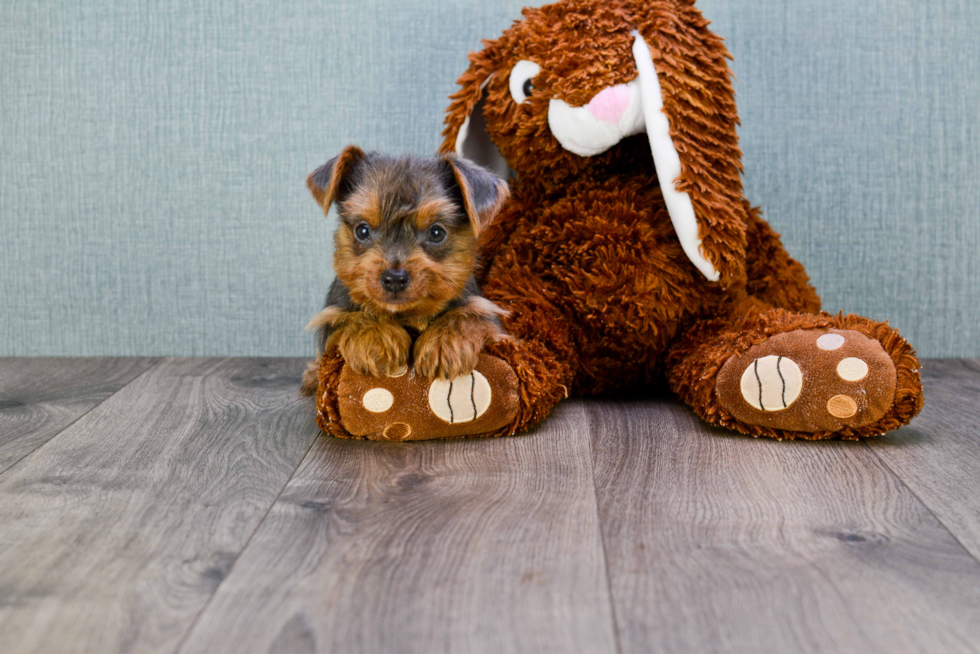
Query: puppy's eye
<point x="437" y="234"/>
<point x="522" y="80"/>
<point x="362" y="232"/>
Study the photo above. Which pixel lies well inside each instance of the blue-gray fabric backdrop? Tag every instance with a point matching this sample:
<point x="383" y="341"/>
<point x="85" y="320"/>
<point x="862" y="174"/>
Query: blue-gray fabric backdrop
<point x="152" y="195"/>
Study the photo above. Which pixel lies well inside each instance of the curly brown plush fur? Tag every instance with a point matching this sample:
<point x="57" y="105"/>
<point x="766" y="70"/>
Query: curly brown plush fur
<point x="584" y="255"/>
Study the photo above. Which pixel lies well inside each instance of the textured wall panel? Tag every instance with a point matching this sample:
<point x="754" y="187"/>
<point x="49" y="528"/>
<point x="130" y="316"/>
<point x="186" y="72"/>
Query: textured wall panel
<point x="153" y="157"/>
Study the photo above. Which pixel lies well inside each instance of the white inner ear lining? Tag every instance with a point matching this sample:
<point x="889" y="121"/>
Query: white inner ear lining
<point x="464" y="129"/>
<point x="666" y="160"/>
<point x="474" y="143"/>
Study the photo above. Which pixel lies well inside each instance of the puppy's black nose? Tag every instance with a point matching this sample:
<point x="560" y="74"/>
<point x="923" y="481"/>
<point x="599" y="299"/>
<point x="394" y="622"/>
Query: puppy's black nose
<point x="395" y="280"/>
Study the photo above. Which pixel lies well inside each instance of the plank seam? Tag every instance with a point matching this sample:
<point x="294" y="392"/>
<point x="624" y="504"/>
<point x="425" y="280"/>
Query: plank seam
<point x="602" y="534"/>
<point x="928" y="508"/>
<point x="72" y="423"/>
<point x="207" y="604"/>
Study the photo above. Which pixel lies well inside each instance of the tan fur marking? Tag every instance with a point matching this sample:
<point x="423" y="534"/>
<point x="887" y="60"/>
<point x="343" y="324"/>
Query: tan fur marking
<point x="490" y="212"/>
<point x="364" y="203"/>
<point x="329" y="316"/>
<point x="360" y="274"/>
<point x="484" y="307"/>
<point x="432" y="209"/>
<point x="480" y="219"/>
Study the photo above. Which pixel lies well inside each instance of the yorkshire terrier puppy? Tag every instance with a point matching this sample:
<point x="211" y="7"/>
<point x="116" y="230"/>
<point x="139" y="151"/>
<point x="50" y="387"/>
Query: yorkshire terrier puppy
<point x="405" y="253"/>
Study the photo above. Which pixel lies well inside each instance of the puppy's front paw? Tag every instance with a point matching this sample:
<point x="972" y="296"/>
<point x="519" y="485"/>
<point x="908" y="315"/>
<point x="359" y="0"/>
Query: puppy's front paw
<point x="444" y="352"/>
<point x="380" y="349"/>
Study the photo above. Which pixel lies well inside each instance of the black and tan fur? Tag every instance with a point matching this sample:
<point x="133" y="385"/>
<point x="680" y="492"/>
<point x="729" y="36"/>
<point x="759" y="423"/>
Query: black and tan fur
<point x="405" y="254"/>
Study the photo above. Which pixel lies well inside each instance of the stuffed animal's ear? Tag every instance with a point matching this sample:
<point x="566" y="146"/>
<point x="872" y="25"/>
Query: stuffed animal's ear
<point x="483" y="193"/>
<point x="466" y="128"/>
<point x="691" y="119"/>
<point x="331" y="181"/>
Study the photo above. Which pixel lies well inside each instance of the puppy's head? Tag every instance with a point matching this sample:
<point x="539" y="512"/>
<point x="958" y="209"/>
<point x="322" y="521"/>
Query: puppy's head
<point x="407" y="239"/>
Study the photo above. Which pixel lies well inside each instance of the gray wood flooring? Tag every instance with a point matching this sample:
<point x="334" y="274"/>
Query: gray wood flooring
<point x="191" y="505"/>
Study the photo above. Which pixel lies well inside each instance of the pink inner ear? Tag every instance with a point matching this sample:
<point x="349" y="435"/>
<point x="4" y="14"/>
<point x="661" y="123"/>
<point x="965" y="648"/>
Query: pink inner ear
<point x="610" y="104"/>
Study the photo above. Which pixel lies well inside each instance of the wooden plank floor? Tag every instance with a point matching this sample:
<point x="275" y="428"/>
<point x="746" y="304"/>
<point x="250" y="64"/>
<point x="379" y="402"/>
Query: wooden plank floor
<point x="40" y="397"/>
<point x="190" y="505"/>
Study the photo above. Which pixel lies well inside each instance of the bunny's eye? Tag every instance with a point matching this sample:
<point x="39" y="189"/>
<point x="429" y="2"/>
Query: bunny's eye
<point x="522" y="80"/>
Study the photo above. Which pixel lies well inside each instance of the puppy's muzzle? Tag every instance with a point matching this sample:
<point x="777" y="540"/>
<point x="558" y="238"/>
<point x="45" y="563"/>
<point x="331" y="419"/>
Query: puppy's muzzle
<point x="395" y="280"/>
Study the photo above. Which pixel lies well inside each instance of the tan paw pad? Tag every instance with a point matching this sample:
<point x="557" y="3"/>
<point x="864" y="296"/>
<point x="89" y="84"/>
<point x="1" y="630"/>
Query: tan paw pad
<point x="378" y="400"/>
<point x="842" y="406"/>
<point x="830" y="342"/>
<point x="459" y="400"/>
<point x="852" y="369"/>
<point x="772" y="383"/>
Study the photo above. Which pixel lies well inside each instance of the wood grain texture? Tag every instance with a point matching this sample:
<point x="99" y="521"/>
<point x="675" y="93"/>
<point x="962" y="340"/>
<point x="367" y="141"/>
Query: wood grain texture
<point x="722" y="543"/>
<point x="451" y="546"/>
<point x="114" y="535"/>
<point x="938" y="455"/>
<point x="145" y="525"/>
<point x="40" y="397"/>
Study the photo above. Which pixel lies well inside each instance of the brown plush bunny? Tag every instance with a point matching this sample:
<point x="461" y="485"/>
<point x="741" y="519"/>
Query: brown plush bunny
<point x="627" y="253"/>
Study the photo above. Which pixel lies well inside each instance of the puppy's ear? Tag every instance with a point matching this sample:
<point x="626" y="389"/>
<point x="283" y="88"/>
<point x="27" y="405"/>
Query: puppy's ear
<point x="331" y="181"/>
<point x="482" y="192"/>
